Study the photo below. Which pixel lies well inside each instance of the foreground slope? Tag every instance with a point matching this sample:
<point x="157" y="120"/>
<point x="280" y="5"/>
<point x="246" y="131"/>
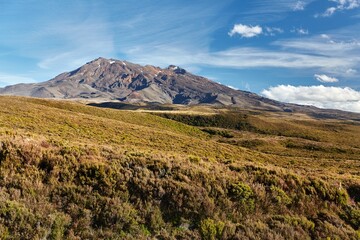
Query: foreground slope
<point x="79" y="172"/>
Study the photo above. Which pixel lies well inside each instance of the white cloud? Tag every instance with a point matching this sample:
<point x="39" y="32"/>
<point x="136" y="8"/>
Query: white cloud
<point x="325" y="79"/>
<point x="346" y="99"/>
<point x="299" y="6"/>
<point x="246" y="31"/>
<point x="325" y="36"/>
<point x="329" y="12"/>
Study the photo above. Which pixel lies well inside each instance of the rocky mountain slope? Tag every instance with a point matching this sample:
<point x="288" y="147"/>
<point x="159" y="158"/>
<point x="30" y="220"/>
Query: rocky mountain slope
<point x="108" y="80"/>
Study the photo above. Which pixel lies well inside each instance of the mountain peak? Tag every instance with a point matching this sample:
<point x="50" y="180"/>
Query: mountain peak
<point x="104" y="60"/>
<point x="176" y="69"/>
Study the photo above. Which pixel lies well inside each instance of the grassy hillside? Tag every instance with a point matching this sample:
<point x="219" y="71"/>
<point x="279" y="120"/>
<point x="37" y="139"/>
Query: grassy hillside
<point x="70" y="171"/>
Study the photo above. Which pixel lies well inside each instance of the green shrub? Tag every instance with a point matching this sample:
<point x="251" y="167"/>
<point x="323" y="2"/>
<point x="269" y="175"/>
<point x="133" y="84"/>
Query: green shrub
<point x="341" y="196"/>
<point x="244" y="195"/>
<point x="61" y="221"/>
<point x="19" y="221"/>
<point x="221" y="133"/>
<point x="194" y="159"/>
<point x="302" y="221"/>
<point x="210" y="229"/>
<point x="279" y="196"/>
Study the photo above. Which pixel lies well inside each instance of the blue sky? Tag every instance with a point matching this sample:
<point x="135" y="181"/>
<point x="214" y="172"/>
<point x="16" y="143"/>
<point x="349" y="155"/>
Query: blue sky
<point x="297" y="51"/>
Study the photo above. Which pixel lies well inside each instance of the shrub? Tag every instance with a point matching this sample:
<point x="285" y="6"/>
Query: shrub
<point x="4" y="152"/>
<point x="352" y="216"/>
<point x="279" y="196"/>
<point x="221" y="133"/>
<point x="210" y="229"/>
<point x="244" y="195"/>
<point x="18" y="220"/>
<point x="194" y="159"/>
<point x="341" y="196"/>
<point x="59" y="226"/>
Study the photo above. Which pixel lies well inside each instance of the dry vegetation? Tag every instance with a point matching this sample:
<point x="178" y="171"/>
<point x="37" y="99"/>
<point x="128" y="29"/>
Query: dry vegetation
<point x="70" y="171"/>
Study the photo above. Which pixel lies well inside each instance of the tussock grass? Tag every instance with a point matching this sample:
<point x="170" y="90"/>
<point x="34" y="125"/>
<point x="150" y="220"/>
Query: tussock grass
<point x="70" y="171"/>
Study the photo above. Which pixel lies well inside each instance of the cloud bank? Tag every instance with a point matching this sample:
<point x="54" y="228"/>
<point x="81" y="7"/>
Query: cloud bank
<point x="346" y="98"/>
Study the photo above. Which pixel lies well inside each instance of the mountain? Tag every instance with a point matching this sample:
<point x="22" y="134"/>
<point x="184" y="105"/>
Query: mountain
<point x="110" y="80"/>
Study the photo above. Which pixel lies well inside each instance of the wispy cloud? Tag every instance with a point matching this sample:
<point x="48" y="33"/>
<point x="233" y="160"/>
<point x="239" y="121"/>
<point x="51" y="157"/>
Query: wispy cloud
<point x="272" y="31"/>
<point x="325" y="36"/>
<point x="165" y="40"/>
<point x="319" y="45"/>
<point x="245" y="58"/>
<point x="300" y="31"/>
<point x="341" y="5"/>
<point x="159" y="34"/>
<point x="246" y="31"/>
<point x="280" y="6"/>
<point x="299" y="6"/>
<point x="329" y="12"/>
<point x="327" y="53"/>
<point x="64" y="40"/>
<point x="345" y="98"/>
<point x="8" y="79"/>
<point x="347" y="4"/>
<point x="325" y="79"/>
<point x="351" y="71"/>
<point x="341" y="54"/>
<point x="81" y="42"/>
<point x="60" y="40"/>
